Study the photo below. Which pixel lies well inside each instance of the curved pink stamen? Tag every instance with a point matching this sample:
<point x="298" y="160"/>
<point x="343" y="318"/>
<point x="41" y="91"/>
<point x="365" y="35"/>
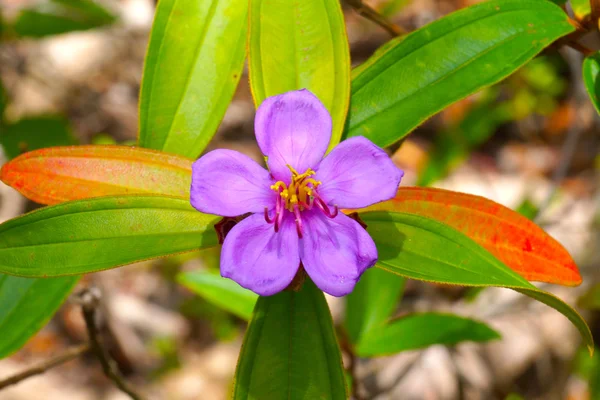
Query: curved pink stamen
<point x="298" y="221"/>
<point x="267" y="218"/>
<point x="309" y="205"/>
<point x="324" y="207"/>
<point x="278" y="213"/>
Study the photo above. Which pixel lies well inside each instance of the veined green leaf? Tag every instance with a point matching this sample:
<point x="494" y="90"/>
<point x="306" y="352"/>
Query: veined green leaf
<point x="516" y="241"/>
<point x="58" y="174"/>
<point x="417" y="331"/>
<point x="92" y="235"/>
<point x="446" y="61"/>
<point x="26" y="305"/>
<point x="290" y="350"/>
<point x="372" y="302"/>
<point x="591" y="69"/>
<point x="222" y="292"/>
<point x="421" y="248"/>
<point x="193" y="65"/>
<point x="300" y="44"/>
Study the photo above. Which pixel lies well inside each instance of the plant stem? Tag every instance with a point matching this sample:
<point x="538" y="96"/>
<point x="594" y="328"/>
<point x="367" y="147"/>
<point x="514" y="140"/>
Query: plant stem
<point x="68" y="355"/>
<point x="89" y="300"/>
<point x="595" y="14"/>
<point x="370" y="14"/>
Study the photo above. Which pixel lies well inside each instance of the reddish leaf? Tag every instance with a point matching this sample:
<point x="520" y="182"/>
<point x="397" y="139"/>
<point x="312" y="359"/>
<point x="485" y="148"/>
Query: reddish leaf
<point x="57" y="174"/>
<point x="512" y="238"/>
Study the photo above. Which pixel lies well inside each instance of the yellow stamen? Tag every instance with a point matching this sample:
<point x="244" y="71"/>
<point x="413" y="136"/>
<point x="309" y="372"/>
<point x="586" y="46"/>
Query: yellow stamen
<point x="299" y="190"/>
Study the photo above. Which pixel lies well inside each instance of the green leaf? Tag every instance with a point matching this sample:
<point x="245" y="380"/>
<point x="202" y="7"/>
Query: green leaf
<point x="417" y="331"/>
<point x="372" y="302"/>
<point x="591" y="69"/>
<point x="3" y="99"/>
<point x="290" y="350"/>
<point x="446" y="61"/>
<point x="587" y="369"/>
<point x="392" y="7"/>
<point x="61" y="16"/>
<point x="453" y="144"/>
<point x="301" y="44"/>
<point x="590" y="299"/>
<point x="421" y="248"/>
<point x="222" y="292"/>
<point x="581" y="8"/>
<point x="92" y="235"/>
<point x="193" y="65"/>
<point x="35" y="133"/>
<point x="594" y="381"/>
<point x="528" y="209"/>
<point x="514" y="396"/>
<point x="26" y="305"/>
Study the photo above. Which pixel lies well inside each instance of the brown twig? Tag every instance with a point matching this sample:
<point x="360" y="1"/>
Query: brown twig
<point x="595" y="14"/>
<point x="576" y="129"/>
<point x="68" y="355"/>
<point x="89" y="300"/>
<point x="351" y="368"/>
<point x="572" y="40"/>
<point x="372" y="15"/>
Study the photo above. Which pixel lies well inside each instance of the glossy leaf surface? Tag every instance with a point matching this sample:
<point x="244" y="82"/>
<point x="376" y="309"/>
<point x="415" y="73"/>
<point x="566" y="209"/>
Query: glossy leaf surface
<point x="224" y="293"/>
<point x="58" y="174"/>
<point x="417" y="331"/>
<point x="591" y="69"/>
<point x="290" y="350"/>
<point x="193" y="65"/>
<point x="27" y="305"/>
<point x="511" y="237"/>
<point x="447" y="60"/>
<point x="300" y="44"/>
<point x="372" y="302"/>
<point x="93" y="235"/>
<point x="421" y="248"/>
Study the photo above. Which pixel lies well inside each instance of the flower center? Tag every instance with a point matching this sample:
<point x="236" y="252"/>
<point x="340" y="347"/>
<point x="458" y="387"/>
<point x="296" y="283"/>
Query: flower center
<point x="301" y="194"/>
<point x="299" y="191"/>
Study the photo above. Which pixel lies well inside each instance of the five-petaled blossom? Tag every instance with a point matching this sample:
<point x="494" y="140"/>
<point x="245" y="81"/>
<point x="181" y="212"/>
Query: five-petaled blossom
<point x="295" y="205"/>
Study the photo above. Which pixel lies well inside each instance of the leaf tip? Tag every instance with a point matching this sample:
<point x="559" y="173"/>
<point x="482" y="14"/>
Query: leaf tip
<point x="590" y="347"/>
<point x="6" y="174"/>
<point x="495" y="335"/>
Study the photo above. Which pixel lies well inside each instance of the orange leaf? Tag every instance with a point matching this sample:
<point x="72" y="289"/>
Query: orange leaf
<point x="510" y="237"/>
<point x="57" y="174"/>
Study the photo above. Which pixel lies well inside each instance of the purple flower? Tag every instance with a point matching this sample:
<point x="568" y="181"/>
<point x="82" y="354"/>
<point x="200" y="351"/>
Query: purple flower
<point x="295" y="206"/>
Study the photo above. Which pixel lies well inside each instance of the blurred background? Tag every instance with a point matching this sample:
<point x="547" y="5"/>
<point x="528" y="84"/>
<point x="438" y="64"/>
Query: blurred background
<point x="70" y="72"/>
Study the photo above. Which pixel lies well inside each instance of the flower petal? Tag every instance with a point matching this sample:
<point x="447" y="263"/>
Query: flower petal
<point x="228" y="183"/>
<point x="294" y="129"/>
<point x="357" y="174"/>
<point x="258" y="258"/>
<point x="335" y="251"/>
